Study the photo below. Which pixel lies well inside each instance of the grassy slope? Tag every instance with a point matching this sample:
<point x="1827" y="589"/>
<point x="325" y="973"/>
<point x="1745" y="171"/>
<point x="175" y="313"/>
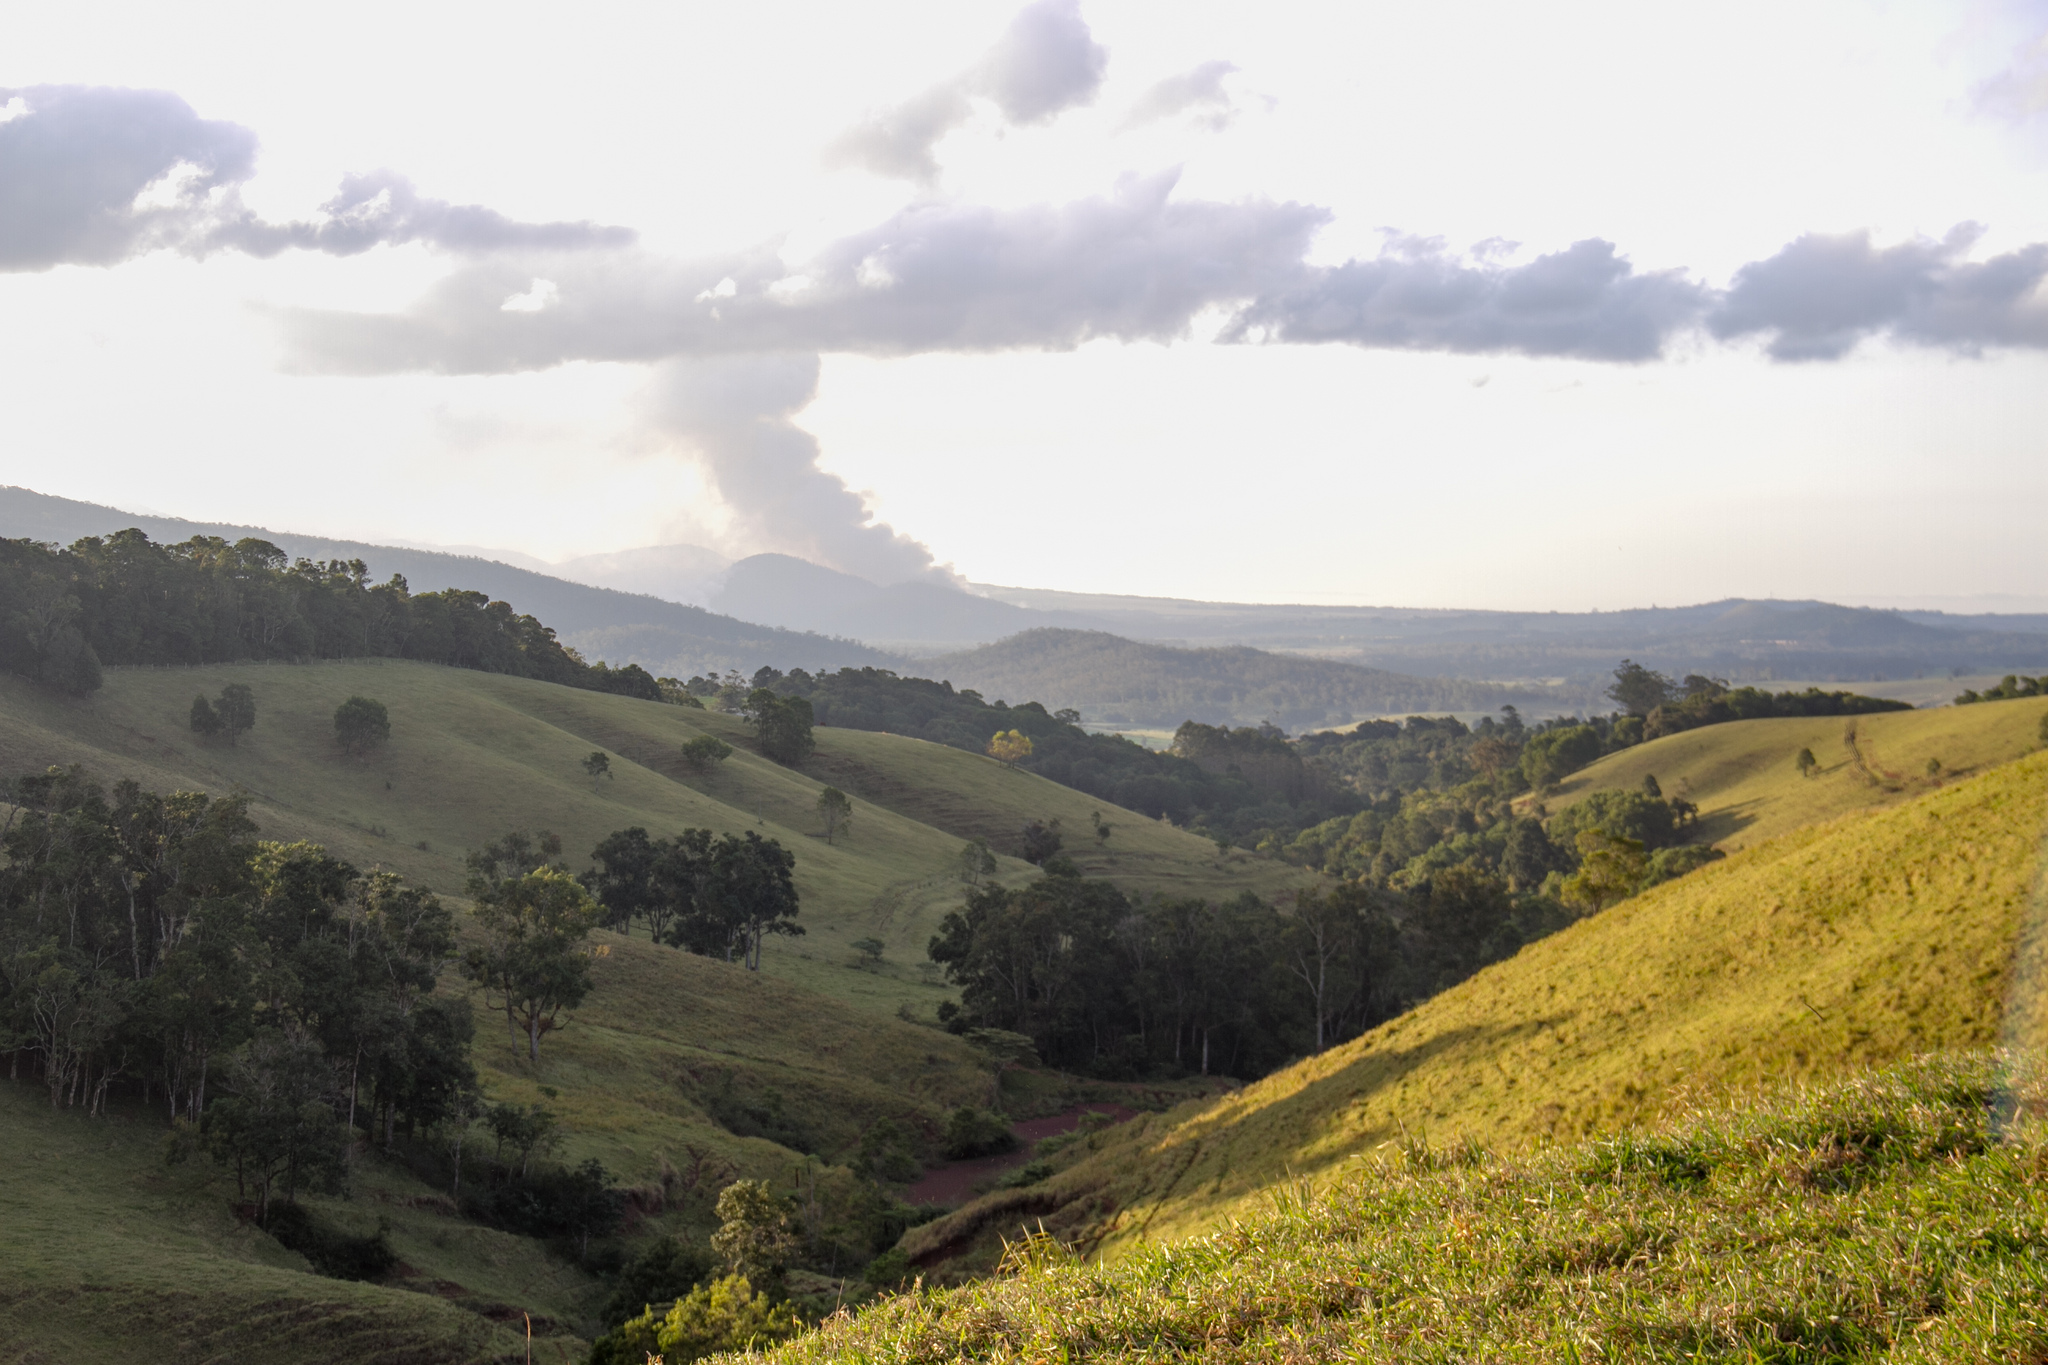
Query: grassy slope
<point x="1877" y="936"/>
<point x="1892" y="1219"/>
<point x="109" y="1255"/>
<point x="1741" y="775"/>
<point x="663" y="1033"/>
<point x="474" y="754"/>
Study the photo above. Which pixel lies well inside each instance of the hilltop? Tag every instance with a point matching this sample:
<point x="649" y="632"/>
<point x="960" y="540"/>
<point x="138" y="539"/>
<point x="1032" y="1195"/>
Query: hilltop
<point x="1875" y="937"/>
<point x="1743" y="776"/>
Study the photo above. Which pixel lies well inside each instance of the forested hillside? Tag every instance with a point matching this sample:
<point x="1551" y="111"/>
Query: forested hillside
<point x="122" y="599"/>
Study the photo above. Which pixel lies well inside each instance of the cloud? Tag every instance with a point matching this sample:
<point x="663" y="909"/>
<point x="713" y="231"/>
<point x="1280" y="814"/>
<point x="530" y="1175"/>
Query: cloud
<point x="93" y="176"/>
<point x="736" y="414"/>
<point x="2020" y="91"/>
<point x="75" y="161"/>
<point x="1821" y="295"/>
<point x="1133" y="265"/>
<point x="1585" y="301"/>
<point x="1046" y="62"/>
<point x="1198" y="89"/>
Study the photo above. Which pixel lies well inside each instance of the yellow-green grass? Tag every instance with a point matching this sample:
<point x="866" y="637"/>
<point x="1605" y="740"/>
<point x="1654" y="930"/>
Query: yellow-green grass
<point x="474" y="754"/>
<point x="1743" y="777"/>
<point x="1898" y="1218"/>
<point x="1881" y="935"/>
<point x="108" y="1254"/>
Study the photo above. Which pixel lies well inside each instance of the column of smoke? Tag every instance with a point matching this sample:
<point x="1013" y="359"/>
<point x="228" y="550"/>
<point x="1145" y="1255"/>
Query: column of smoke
<point x="737" y="414"/>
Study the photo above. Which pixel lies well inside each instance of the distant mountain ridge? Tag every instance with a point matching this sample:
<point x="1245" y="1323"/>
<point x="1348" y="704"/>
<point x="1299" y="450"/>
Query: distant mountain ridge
<point x="1116" y="681"/>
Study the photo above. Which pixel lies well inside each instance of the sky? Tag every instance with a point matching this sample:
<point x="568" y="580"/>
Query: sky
<point x="1537" y="307"/>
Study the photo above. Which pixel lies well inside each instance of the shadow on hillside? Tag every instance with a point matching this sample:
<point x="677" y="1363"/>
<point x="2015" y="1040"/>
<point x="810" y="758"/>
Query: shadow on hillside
<point x="1341" y="1105"/>
<point x="1724" y="823"/>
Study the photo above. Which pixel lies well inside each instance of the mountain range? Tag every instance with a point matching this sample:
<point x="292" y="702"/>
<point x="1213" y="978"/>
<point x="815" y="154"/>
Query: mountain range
<point x="1133" y="661"/>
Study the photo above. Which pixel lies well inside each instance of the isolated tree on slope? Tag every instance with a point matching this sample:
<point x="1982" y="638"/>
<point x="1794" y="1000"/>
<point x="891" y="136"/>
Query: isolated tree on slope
<point x="835" y="810"/>
<point x="360" y="725"/>
<point x="597" y="768"/>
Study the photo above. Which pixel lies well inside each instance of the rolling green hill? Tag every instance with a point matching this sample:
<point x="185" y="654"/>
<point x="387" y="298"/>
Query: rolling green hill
<point x="1899" y="1218"/>
<point x="1857" y="942"/>
<point x="670" y="1054"/>
<point x="1743" y="778"/>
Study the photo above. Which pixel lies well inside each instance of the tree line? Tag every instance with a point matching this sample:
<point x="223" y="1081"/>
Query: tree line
<point x="123" y="599"/>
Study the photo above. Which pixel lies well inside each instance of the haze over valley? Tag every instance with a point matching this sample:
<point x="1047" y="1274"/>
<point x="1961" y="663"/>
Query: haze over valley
<point x="1023" y="680"/>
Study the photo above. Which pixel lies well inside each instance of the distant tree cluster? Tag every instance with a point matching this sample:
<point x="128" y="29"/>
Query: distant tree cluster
<point x="1113" y="987"/>
<point x="269" y="994"/>
<point x="2011" y="687"/>
<point x="122" y="599"/>
<point x="715" y="895"/>
<point x="1665" y="707"/>
<point x="1053" y="745"/>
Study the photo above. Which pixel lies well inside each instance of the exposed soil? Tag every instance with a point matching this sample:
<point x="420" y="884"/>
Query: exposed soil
<point x="956" y="1182"/>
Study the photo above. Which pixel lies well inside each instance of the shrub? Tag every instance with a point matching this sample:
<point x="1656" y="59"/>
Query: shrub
<point x="361" y="724"/>
<point x="337" y="1254"/>
<point x="973" y="1132"/>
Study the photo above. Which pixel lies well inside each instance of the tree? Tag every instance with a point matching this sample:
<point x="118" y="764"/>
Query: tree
<point x="1806" y="763"/>
<point x="1041" y="841"/>
<point x="724" y="1315"/>
<point x="529" y="1131"/>
<point x="1549" y="757"/>
<point x="1103" y="829"/>
<point x="743" y="889"/>
<point x="753" y="1234"/>
<point x="205" y="721"/>
<point x="705" y="752"/>
<point x="534" y="957"/>
<point x="782" y="725"/>
<point x="275" y="1126"/>
<point x="1611" y="867"/>
<point x="1650" y="787"/>
<point x="1008" y="746"/>
<point x="976" y="862"/>
<point x="835" y="810"/>
<point x="1638" y="690"/>
<point x="623" y="880"/>
<point x="597" y="768"/>
<point x="360" y="725"/>
<point x="236" y="709"/>
<point x="1332" y="947"/>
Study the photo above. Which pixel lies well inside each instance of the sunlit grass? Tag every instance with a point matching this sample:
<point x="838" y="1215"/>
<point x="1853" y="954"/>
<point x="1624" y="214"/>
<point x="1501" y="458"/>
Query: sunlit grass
<point x="1892" y="1218"/>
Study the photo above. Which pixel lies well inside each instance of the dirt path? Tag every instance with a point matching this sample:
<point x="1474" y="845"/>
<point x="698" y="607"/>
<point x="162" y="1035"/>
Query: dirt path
<point x="956" y="1182"/>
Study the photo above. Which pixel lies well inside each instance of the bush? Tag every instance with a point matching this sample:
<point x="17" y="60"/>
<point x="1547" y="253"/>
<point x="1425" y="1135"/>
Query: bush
<point x="888" y="1270"/>
<point x="725" y="1315"/>
<point x="975" y="1132"/>
<point x="666" y="1271"/>
<point x="361" y="724"/>
<point x="334" y="1253"/>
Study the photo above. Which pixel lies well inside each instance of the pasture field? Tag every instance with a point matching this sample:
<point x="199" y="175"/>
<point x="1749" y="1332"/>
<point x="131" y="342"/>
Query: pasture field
<point x="1855" y="943"/>
<point x="1901" y="1217"/>
<point x="1743" y="777"/>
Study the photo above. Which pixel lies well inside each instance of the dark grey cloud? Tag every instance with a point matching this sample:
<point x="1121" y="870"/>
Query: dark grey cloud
<point x="1133" y="265"/>
<point x="1198" y="90"/>
<point x="1046" y="62"/>
<point x="737" y="413"/>
<point x="1822" y="295"/>
<point x="93" y="176"/>
<point x="1584" y="301"/>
